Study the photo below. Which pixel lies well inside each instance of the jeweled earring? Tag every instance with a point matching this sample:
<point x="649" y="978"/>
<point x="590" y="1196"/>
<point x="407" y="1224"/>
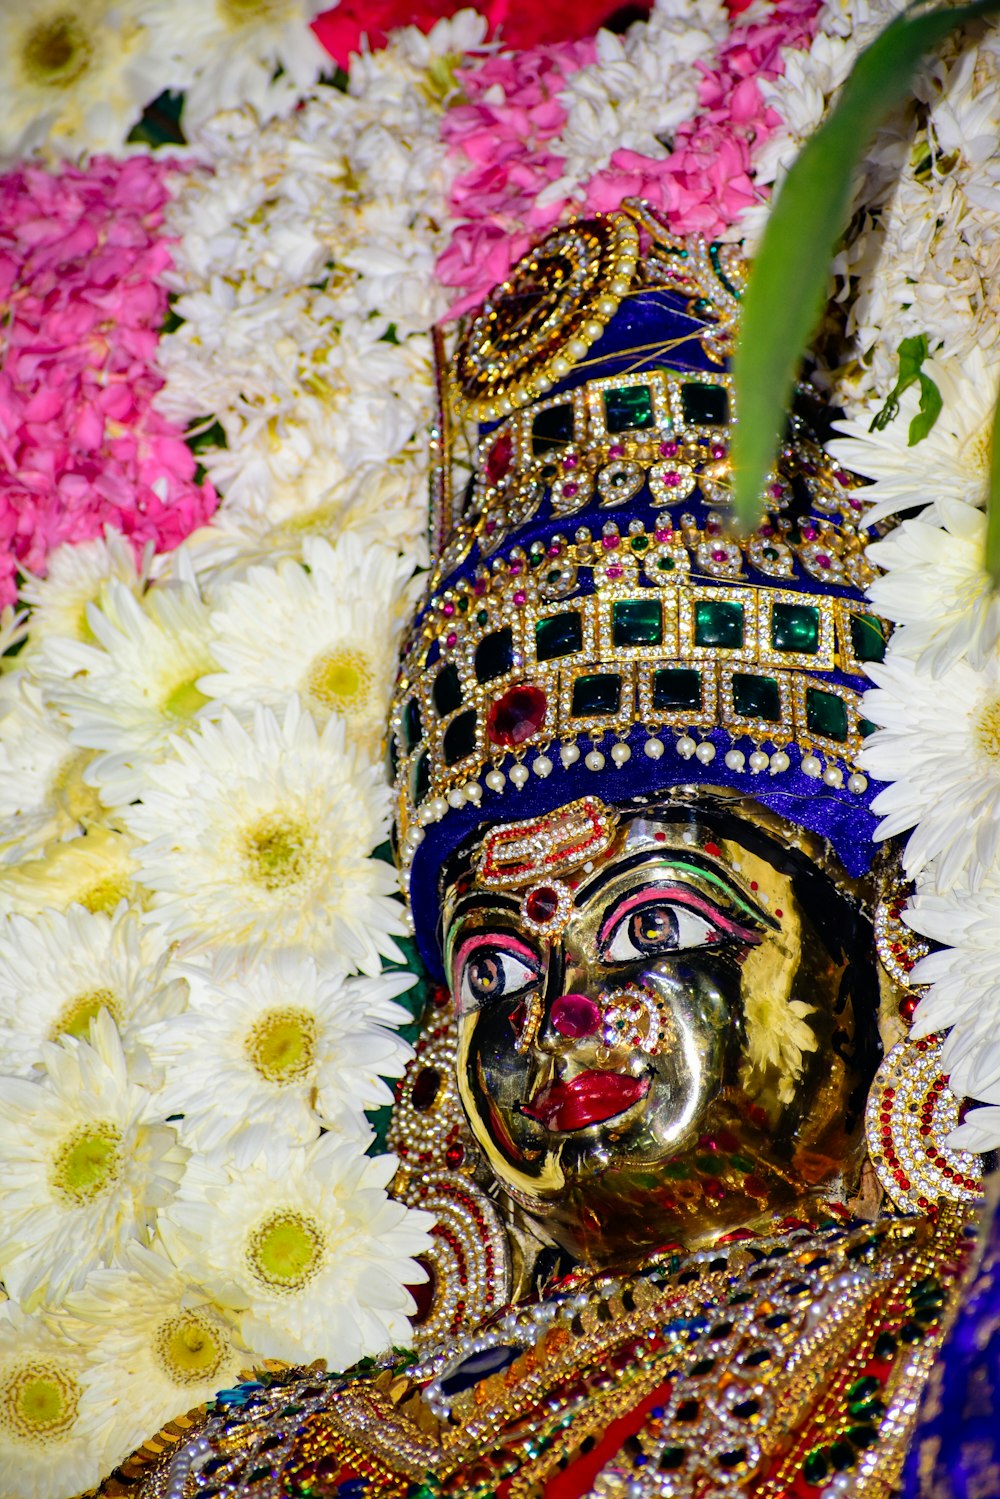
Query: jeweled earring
<point x="911" y="1109"/>
<point x="469" y="1264"/>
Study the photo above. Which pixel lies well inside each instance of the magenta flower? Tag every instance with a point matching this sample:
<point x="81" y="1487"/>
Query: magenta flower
<point x="82" y="300"/>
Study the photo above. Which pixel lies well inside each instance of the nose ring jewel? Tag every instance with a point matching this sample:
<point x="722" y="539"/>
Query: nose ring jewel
<point x="635" y="1018"/>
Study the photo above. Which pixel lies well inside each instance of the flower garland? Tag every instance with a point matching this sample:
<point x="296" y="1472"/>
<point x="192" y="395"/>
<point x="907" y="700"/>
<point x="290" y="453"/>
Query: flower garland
<point x="198" y="931"/>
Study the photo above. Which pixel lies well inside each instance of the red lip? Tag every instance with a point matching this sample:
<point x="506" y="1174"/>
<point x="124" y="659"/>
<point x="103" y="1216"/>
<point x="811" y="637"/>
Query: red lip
<point x="591" y="1098"/>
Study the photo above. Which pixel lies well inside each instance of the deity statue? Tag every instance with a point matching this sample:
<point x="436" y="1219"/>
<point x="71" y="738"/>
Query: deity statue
<point x="699" y="1229"/>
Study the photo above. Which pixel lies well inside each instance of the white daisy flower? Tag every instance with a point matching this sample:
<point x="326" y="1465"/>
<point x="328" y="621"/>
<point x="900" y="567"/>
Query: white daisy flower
<point x="74" y="75"/>
<point x="233" y="52"/>
<point x="314" y="1259"/>
<point x="54" y="1432"/>
<point x="43" y="794"/>
<point x="58" y="971"/>
<point x="84" y="1165"/>
<point x="265" y="1057"/>
<point x="75" y="575"/>
<point x="935" y="583"/>
<point x="261" y="837"/>
<point x="127" y="694"/>
<point x="160" y="1346"/>
<point x="952" y="462"/>
<point x="939" y="747"/>
<point x="328" y="630"/>
<point x="96" y="871"/>
<point x="979" y="1131"/>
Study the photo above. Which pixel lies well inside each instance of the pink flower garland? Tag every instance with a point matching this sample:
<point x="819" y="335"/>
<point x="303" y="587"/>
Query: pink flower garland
<point x="82" y="305"/>
<point x="704" y="183"/>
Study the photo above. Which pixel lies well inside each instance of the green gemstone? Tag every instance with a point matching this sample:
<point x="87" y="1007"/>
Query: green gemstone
<point x="815" y="1469"/>
<point x="826" y="714"/>
<point x="459" y="737"/>
<point x="552" y="428"/>
<point x="637" y="622"/>
<point x="559" y="635"/>
<point x="628" y="409"/>
<point x="412" y="727"/>
<point x="639" y="543"/>
<point x="705" y="405"/>
<point x="596" y="694"/>
<point x="717" y="622"/>
<point x="867" y="639"/>
<point x="866" y="727"/>
<point x="795" y="627"/>
<point x="862" y="1436"/>
<point x="666" y="564"/>
<point x="672" y="1458"/>
<point x="676" y="688"/>
<point x="482" y="617"/>
<point x="885" y="1347"/>
<point x="421" y="778"/>
<point x="866" y="1410"/>
<point x="494" y="655"/>
<point x="447" y="690"/>
<point x="863" y="1387"/>
<point x="756" y="697"/>
<point x="841" y="1456"/>
<point x="911" y="1332"/>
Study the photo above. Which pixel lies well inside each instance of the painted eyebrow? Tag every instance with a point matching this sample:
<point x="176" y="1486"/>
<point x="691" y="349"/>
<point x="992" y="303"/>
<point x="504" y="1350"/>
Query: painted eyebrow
<point x="681" y="895"/>
<point x="691" y="863"/>
<point x="473" y="901"/>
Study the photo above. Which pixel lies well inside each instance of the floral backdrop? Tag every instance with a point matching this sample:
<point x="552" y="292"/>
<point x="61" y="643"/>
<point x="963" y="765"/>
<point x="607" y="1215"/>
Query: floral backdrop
<point x="227" y="230"/>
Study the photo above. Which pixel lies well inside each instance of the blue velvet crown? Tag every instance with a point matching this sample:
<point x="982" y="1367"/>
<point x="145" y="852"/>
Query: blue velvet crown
<point x="595" y="623"/>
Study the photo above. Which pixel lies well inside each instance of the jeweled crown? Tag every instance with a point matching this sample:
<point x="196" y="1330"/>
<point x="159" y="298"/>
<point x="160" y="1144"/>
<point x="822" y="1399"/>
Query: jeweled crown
<point x="595" y="622"/>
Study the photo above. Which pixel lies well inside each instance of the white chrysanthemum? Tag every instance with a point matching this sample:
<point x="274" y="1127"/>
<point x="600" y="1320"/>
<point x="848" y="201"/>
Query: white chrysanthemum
<point x="262" y="1059"/>
<point x="935" y="584"/>
<point x="55" y="1434"/>
<point x="952" y="462"/>
<point x="328" y="630"/>
<point x="261" y="837"/>
<point x="96" y="871"/>
<point x="74" y="75"/>
<point x="939" y="747"/>
<point x="230" y="51"/>
<point x="84" y="1165"/>
<point x="314" y="1258"/>
<point x="58" y="971"/>
<point x="43" y="795"/>
<point x="160" y="1345"/>
<point x="127" y="694"/>
<point x="75" y="575"/>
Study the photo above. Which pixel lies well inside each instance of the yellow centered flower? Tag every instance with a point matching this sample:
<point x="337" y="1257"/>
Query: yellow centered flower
<point x="276" y="851"/>
<point x="88" y="1162"/>
<point x="285" y="1251"/>
<point x="986" y="729"/>
<point x="104" y="895"/>
<point x="341" y="679"/>
<point x="282" y="1045"/>
<point x="38" y="1400"/>
<point x="75" y="1016"/>
<point x="55" y="52"/>
<point x="183" y="700"/>
<point x="189" y="1348"/>
<point x="81" y="801"/>
<point x="245" y="12"/>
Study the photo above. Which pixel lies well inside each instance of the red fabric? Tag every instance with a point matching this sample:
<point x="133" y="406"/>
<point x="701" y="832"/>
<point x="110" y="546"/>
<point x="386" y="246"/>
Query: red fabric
<point x="519" y="23"/>
<point x="578" y="1478"/>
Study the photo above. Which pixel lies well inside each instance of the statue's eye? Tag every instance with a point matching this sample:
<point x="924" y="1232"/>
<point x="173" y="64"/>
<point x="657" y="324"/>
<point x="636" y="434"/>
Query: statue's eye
<point x="491" y="973"/>
<point x="660" y="926"/>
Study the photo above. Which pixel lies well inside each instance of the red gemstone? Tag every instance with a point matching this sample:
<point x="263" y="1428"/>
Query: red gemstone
<point x="498" y="459"/>
<point x="425" y="1088"/>
<point x="423" y="1294"/>
<point x="542" y="904"/>
<point x="516" y="716"/>
<point x="454" y="1155"/>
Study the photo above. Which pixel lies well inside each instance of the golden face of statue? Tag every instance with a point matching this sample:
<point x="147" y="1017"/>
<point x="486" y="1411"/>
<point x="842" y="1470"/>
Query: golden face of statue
<point x="674" y="1037"/>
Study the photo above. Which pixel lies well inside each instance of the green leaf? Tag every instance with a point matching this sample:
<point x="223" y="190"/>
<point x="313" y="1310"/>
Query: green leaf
<point x="992" y="558"/>
<point x="911" y="354"/>
<point x="788" y="282"/>
<point x="930" y="410"/>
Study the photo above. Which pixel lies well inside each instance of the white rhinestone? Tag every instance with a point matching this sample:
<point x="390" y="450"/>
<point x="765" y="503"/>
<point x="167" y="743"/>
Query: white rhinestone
<point x="654" y="748"/>
<point x="759" y="761"/>
<point x="519" y="775"/>
<point x="779" y="762"/>
<point x="595" y="760"/>
<point x="706" y="752"/>
<point x="620" y="753"/>
<point x="857" y="783"/>
<point x="833" y="775"/>
<point x="569" y="754"/>
<point x="686" y="746"/>
<point x="542" y="766"/>
<point x="496" y="780"/>
<point x="812" y="766"/>
<point x="735" y="760"/>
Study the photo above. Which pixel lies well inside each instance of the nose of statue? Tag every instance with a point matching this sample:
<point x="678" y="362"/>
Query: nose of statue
<point x="574" y="1016"/>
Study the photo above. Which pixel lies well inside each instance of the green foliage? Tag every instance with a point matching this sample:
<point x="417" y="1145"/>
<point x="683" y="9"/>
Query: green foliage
<point x="788" y="282"/>
<point x="911" y="354"/>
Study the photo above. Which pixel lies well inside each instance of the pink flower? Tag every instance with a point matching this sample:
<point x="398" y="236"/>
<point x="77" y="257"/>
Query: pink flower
<point x="81" y="444"/>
